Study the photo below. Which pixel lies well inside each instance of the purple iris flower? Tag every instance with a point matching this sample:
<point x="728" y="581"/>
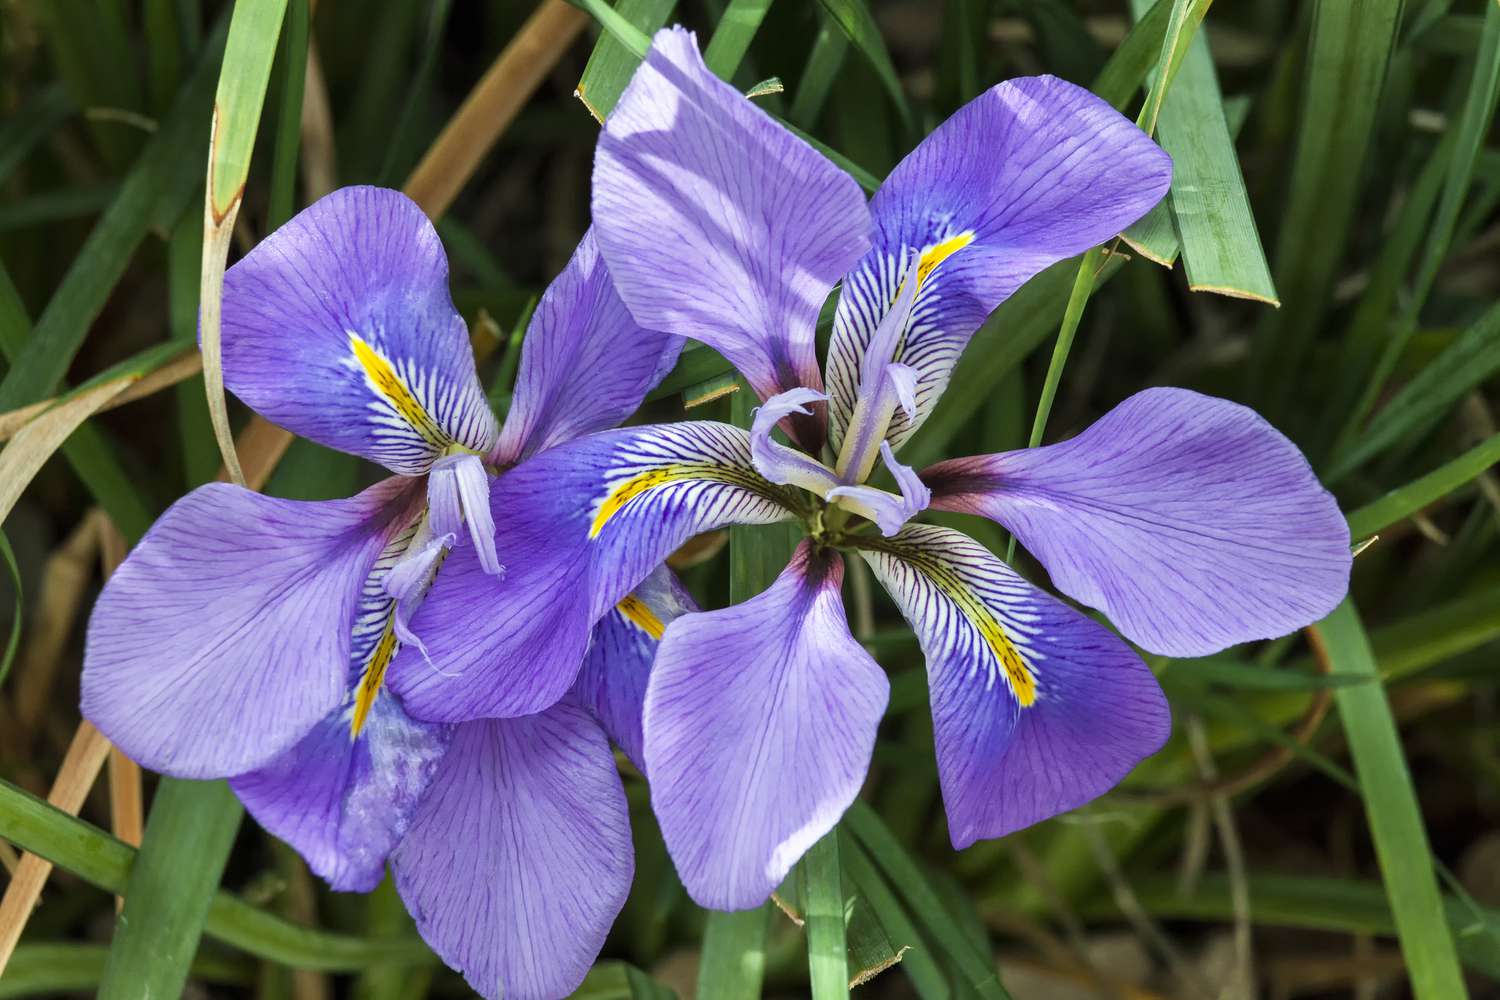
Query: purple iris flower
<point x="250" y="638"/>
<point x="1189" y="521"/>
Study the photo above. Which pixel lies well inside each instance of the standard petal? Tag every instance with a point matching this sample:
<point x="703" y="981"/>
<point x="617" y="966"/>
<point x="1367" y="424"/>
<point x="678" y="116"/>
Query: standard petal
<point x="224" y="638"/>
<point x="584" y="524"/>
<point x="1188" y="520"/>
<point x="458" y="495"/>
<point x="719" y="224"/>
<point x="338" y="326"/>
<point x="612" y="683"/>
<point x="344" y="801"/>
<point x="585" y="364"/>
<point x="1028" y="173"/>
<point x="1036" y="709"/>
<point x="519" y="858"/>
<point x="888" y="510"/>
<point x="760" y="721"/>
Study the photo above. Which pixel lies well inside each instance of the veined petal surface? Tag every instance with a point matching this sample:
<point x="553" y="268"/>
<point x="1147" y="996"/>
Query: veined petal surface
<point x="582" y="525"/>
<point x="1190" y="521"/>
<point x="612" y="683"/>
<point x="1036" y="709"/>
<point x="585" y="364"/>
<point x="1028" y="173"/>
<point x="339" y="327"/>
<point x="345" y="801"/>
<point x="719" y="224"/>
<point x="225" y="636"/>
<point x="519" y="858"/>
<point x="760" y="722"/>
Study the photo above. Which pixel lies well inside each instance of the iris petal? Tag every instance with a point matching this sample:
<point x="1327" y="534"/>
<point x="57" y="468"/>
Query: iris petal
<point x="1028" y="173"/>
<point x="719" y="224"/>
<point x="458" y="491"/>
<point x="1036" y="709"/>
<point x="1189" y="520"/>
<point x="585" y="363"/>
<point x="519" y="858"/>
<point x="225" y="636"/>
<point x="778" y="463"/>
<point x="586" y="522"/>
<point x="338" y="326"/>
<point x="760" y="721"/>
<point x="612" y="683"/>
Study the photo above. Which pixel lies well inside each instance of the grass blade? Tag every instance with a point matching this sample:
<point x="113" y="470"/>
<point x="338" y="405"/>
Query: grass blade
<point x="915" y="957"/>
<point x="732" y="36"/>
<point x="856" y="21"/>
<point x="1473" y="125"/>
<point x="1405" y="501"/>
<point x="1465" y="363"/>
<point x="1395" y="817"/>
<point x="927" y="907"/>
<point x="611" y="63"/>
<point x="155" y="192"/>
<point x="17" y="614"/>
<point x="824" y="61"/>
<point x="293" y="60"/>
<point x="1221" y="250"/>
<point x="171" y="887"/>
<point x="106" y="863"/>
<point x="1346" y="69"/>
<point x="823" y="897"/>
<point x="248" y="56"/>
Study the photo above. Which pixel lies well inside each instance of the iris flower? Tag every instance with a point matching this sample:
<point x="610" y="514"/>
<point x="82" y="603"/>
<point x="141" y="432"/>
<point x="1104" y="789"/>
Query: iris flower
<point x="1189" y="521"/>
<point x="249" y="637"/>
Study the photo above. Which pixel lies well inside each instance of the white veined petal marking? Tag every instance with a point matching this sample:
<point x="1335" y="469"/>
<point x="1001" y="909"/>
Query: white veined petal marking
<point x="373" y="644"/>
<point x="954" y="596"/>
<point x="711" y="464"/>
<point x="866" y="296"/>
<point x="414" y="415"/>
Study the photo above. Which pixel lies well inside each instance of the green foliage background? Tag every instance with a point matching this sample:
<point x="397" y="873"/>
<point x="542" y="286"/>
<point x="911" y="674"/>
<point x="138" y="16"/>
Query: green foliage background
<point x="1324" y="822"/>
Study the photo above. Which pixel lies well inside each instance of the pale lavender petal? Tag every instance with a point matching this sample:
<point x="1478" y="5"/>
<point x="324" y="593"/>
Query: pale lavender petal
<point x="760" y="721"/>
<point x="585" y="364"/>
<point x="1028" y="173"/>
<point x="612" y="683"/>
<point x="458" y="494"/>
<point x="1188" y="520"/>
<point x="338" y="326"/>
<point x="887" y="510"/>
<point x="225" y="636"/>
<point x="519" y="858"/>
<point x="1036" y="709"/>
<point x="409" y="580"/>
<point x="344" y="802"/>
<point x="778" y="463"/>
<point x="585" y="523"/>
<point x="719" y="224"/>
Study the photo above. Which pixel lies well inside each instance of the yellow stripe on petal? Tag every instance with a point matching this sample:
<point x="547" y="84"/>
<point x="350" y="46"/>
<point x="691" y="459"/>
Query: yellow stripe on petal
<point x="388" y="384"/>
<point x="1012" y="664"/>
<point x="373" y="676"/>
<point x="939" y="252"/>
<point x="642" y="617"/>
<point x="644" y="482"/>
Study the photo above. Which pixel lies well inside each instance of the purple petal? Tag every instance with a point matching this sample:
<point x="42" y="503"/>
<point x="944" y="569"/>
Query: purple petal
<point x="458" y="495"/>
<point x="760" y="721"/>
<point x="338" y="326"/>
<point x="585" y="364"/>
<point x="519" y="858"/>
<point x="1029" y="173"/>
<point x="612" y="683"/>
<point x="585" y="523"/>
<point x="225" y="636"/>
<point x="778" y="463"/>
<point x="345" y="802"/>
<point x="1036" y="709"/>
<point x="1188" y="520"/>
<point x="719" y="224"/>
